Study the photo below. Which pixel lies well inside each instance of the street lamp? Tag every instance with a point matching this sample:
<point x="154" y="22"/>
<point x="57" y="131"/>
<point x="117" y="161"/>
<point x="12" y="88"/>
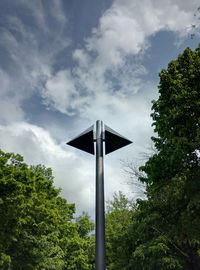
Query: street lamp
<point x="113" y="141"/>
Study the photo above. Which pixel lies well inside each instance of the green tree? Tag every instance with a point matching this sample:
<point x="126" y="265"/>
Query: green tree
<point x="162" y="232"/>
<point x="119" y="202"/>
<point x="119" y="219"/>
<point x="37" y="227"/>
<point x="169" y="219"/>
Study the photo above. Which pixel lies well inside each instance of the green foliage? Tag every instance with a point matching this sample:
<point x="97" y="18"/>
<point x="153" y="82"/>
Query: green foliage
<point x="173" y="174"/>
<point x="118" y="221"/>
<point x="84" y="225"/>
<point x="177" y="118"/>
<point x="163" y="231"/>
<point x="119" y="202"/>
<point x="37" y="228"/>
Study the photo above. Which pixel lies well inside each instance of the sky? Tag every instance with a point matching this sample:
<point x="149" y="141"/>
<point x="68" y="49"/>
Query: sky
<point x="66" y="63"/>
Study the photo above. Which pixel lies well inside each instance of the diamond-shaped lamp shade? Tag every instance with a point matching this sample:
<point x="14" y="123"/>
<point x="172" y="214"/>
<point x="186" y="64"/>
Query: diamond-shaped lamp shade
<point x="114" y="140"/>
<point x="84" y="141"/>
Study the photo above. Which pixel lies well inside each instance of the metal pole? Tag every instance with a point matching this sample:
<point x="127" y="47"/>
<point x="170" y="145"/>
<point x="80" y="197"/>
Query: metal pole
<point x="100" y="262"/>
<point x="85" y="142"/>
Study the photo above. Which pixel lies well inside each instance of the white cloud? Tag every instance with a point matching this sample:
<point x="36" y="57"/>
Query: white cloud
<point x="29" y="63"/>
<point x="60" y="92"/>
<point x="10" y="109"/>
<point x="106" y="80"/>
<point x="39" y="12"/>
<point x="108" y="71"/>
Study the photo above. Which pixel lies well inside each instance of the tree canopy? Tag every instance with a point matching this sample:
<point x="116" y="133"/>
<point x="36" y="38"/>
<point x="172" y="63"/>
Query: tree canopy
<point x="173" y="174"/>
<point x="163" y="231"/>
<point x="37" y="227"/>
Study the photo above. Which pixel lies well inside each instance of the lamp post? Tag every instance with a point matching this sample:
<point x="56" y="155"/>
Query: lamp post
<point x="100" y="254"/>
<point x="113" y="141"/>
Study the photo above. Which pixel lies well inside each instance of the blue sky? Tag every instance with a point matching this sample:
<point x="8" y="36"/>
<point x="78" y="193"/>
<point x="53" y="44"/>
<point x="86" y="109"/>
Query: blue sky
<point x="66" y="64"/>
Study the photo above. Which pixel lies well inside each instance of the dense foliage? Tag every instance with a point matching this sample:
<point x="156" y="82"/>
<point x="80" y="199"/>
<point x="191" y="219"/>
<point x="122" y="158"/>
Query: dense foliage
<point x="173" y="174"/>
<point x="37" y="228"/>
<point x="118" y="223"/>
<point x="163" y="232"/>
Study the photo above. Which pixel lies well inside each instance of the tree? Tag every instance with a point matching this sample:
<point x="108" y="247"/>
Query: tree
<point x="119" y="202"/>
<point x="172" y="240"/>
<point x="118" y="221"/>
<point x="163" y="231"/>
<point x="37" y="228"/>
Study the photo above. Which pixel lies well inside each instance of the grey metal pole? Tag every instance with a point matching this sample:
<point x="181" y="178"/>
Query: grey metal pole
<point x="85" y="142"/>
<point x="100" y="261"/>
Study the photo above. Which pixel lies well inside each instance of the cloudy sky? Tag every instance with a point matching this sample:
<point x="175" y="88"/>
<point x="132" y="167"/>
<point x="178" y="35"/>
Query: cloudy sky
<point x="66" y="63"/>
